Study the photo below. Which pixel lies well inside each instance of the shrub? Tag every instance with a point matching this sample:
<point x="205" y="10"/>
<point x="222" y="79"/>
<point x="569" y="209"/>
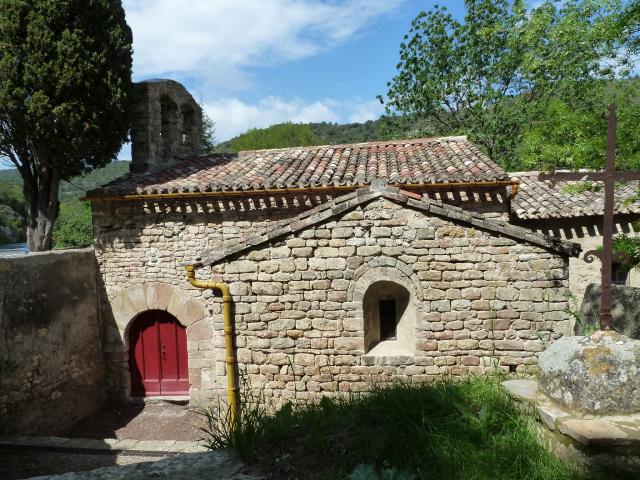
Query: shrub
<point x="73" y="228"/>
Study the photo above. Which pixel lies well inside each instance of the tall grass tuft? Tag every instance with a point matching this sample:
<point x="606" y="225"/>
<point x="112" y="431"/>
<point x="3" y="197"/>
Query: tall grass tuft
<point x="446" y="430"/>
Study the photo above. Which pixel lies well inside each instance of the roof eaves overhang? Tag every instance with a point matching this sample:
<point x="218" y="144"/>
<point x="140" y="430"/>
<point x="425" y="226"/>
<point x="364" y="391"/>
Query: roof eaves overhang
<point x="442" y="186"/>
<point x="362" y="195"/>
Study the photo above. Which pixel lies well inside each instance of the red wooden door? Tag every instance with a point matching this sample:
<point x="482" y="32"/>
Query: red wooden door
<point x="158" y="355"/>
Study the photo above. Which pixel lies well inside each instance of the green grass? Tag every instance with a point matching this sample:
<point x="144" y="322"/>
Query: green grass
<point x="446" y="430"/>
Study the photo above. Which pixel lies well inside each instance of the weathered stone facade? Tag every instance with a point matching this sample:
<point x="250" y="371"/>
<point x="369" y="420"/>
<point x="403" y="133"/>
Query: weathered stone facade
<point x="586" y="231"/>
<point x="141" y="249"/>
<point x="338" y="278"/>
<point x="479" y="293"/>
<point x="167" y="126"/>
<point x="51" y="365"/>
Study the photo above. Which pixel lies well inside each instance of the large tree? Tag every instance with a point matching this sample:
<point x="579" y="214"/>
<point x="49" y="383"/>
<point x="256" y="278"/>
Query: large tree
<point x="574" y="136"/>
<point x="65" y="96"/>
<point x="493" y="73"/>
<point x="631" y="27"/>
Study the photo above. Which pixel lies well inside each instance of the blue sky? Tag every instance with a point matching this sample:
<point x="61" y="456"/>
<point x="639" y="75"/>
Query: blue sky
<point x="253" y="63"/>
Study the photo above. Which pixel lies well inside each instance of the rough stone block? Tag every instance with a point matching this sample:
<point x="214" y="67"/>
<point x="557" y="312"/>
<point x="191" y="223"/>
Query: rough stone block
<point x="593" y="374"/>
<point x="266" y="288"/>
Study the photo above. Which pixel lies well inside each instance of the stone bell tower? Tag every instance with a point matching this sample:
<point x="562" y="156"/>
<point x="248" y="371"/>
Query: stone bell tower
<point x="167" y="125"/>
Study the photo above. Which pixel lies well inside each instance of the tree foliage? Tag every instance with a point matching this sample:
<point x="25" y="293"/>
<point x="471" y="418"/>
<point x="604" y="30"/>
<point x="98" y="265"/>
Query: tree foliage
<point x="73" y="228"/>
<point x="574" y="136"/>
<point x="276" y="136"/>
<point x="504" y="66"/>
<point x="65" y="96"/>
<point x="631" y="27"/>
<point x="208" y="133"/>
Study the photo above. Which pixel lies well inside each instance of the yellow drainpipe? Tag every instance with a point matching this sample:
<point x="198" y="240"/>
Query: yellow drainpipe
<point x="230" y="360"/>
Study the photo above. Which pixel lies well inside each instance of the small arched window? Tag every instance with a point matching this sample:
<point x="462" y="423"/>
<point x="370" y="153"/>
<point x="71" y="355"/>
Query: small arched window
<point x="389" y="319"/>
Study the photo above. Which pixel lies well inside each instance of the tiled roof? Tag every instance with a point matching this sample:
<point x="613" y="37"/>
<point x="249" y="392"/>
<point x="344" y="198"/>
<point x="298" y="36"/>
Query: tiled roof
<point x="420" y="161"/>
<point x="364" y="195"/>
<point x="538" y="199"/>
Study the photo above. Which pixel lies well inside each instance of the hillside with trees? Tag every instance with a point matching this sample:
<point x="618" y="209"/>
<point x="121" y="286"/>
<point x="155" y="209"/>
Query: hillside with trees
<point x="302" y="134"/>
<point x="326" y="133"/>
<point x="73" y="226"/>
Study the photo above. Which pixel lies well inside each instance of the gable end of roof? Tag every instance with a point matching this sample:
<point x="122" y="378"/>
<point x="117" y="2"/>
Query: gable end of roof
<point x="361" y="196"/>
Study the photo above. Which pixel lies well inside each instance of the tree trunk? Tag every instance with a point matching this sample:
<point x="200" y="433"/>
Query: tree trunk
<point x="41" y="194"/>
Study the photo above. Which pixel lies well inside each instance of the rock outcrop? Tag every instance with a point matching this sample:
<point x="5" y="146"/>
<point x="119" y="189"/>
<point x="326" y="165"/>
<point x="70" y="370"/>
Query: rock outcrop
<point x="597" y="374"/>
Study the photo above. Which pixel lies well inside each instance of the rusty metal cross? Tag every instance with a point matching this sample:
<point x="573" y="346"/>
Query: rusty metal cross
<point x="609" y="176"/>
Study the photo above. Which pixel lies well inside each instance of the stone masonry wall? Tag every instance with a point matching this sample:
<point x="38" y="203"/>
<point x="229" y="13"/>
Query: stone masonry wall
<point x="51" y="362"/>
<point x="586" y="232"/>
<point x="478" y="299"/>
<point x="141" y="249"/>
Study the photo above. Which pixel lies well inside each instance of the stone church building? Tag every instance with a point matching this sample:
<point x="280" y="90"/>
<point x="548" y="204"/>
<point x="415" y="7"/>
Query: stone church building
<point x="346" y="264"/>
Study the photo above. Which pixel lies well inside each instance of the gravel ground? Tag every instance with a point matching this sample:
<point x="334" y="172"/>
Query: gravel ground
<point x="153" y="421"/>
<point x="162" y="421"/>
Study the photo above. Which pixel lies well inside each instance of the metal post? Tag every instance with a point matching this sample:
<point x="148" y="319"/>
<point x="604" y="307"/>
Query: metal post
<point x="607" y="221"/>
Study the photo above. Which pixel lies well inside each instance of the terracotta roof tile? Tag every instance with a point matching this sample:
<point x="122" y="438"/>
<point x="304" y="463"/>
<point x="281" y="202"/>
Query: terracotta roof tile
<point x="419" y="161"/>
<point x="538" y="199"/>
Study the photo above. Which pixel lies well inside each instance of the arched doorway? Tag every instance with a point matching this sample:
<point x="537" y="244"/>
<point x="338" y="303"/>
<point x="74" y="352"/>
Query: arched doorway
<point x="158" y="355"/>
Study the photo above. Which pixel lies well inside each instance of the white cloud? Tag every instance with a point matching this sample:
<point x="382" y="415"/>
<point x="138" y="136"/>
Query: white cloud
<point x="213" y="39"/>
<point x="367" y="110"/>
<point x="233" y="116"/>
<point x="212" y="44"/>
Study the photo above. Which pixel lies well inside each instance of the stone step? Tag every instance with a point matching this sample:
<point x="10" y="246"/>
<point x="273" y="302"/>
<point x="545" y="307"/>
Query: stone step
<point x="107" y="444"/>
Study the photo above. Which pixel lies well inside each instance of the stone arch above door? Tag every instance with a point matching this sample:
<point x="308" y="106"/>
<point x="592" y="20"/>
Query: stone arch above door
<point x="127" y="305"/>
<point x="154" y="296"/>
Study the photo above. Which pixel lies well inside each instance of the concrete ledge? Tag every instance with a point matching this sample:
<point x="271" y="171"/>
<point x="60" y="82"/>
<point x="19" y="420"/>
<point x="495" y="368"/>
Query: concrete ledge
<point x="604" y="445"/>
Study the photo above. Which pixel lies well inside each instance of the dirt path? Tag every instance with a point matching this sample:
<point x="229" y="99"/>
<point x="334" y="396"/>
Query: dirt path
<point x="163" y="421"/>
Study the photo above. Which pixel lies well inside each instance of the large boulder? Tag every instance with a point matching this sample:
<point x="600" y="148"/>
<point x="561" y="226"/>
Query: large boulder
<point x="624" y="309"/>
<point x="597" y="374"/>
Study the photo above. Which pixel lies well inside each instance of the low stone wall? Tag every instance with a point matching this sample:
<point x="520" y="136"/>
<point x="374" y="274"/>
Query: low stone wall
<point x="51" y="361"/>
<point x="599" y="447"/>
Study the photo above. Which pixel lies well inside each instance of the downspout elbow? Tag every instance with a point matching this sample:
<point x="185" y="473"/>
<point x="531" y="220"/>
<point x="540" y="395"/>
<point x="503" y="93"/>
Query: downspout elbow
<point x="230" y="359"/>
